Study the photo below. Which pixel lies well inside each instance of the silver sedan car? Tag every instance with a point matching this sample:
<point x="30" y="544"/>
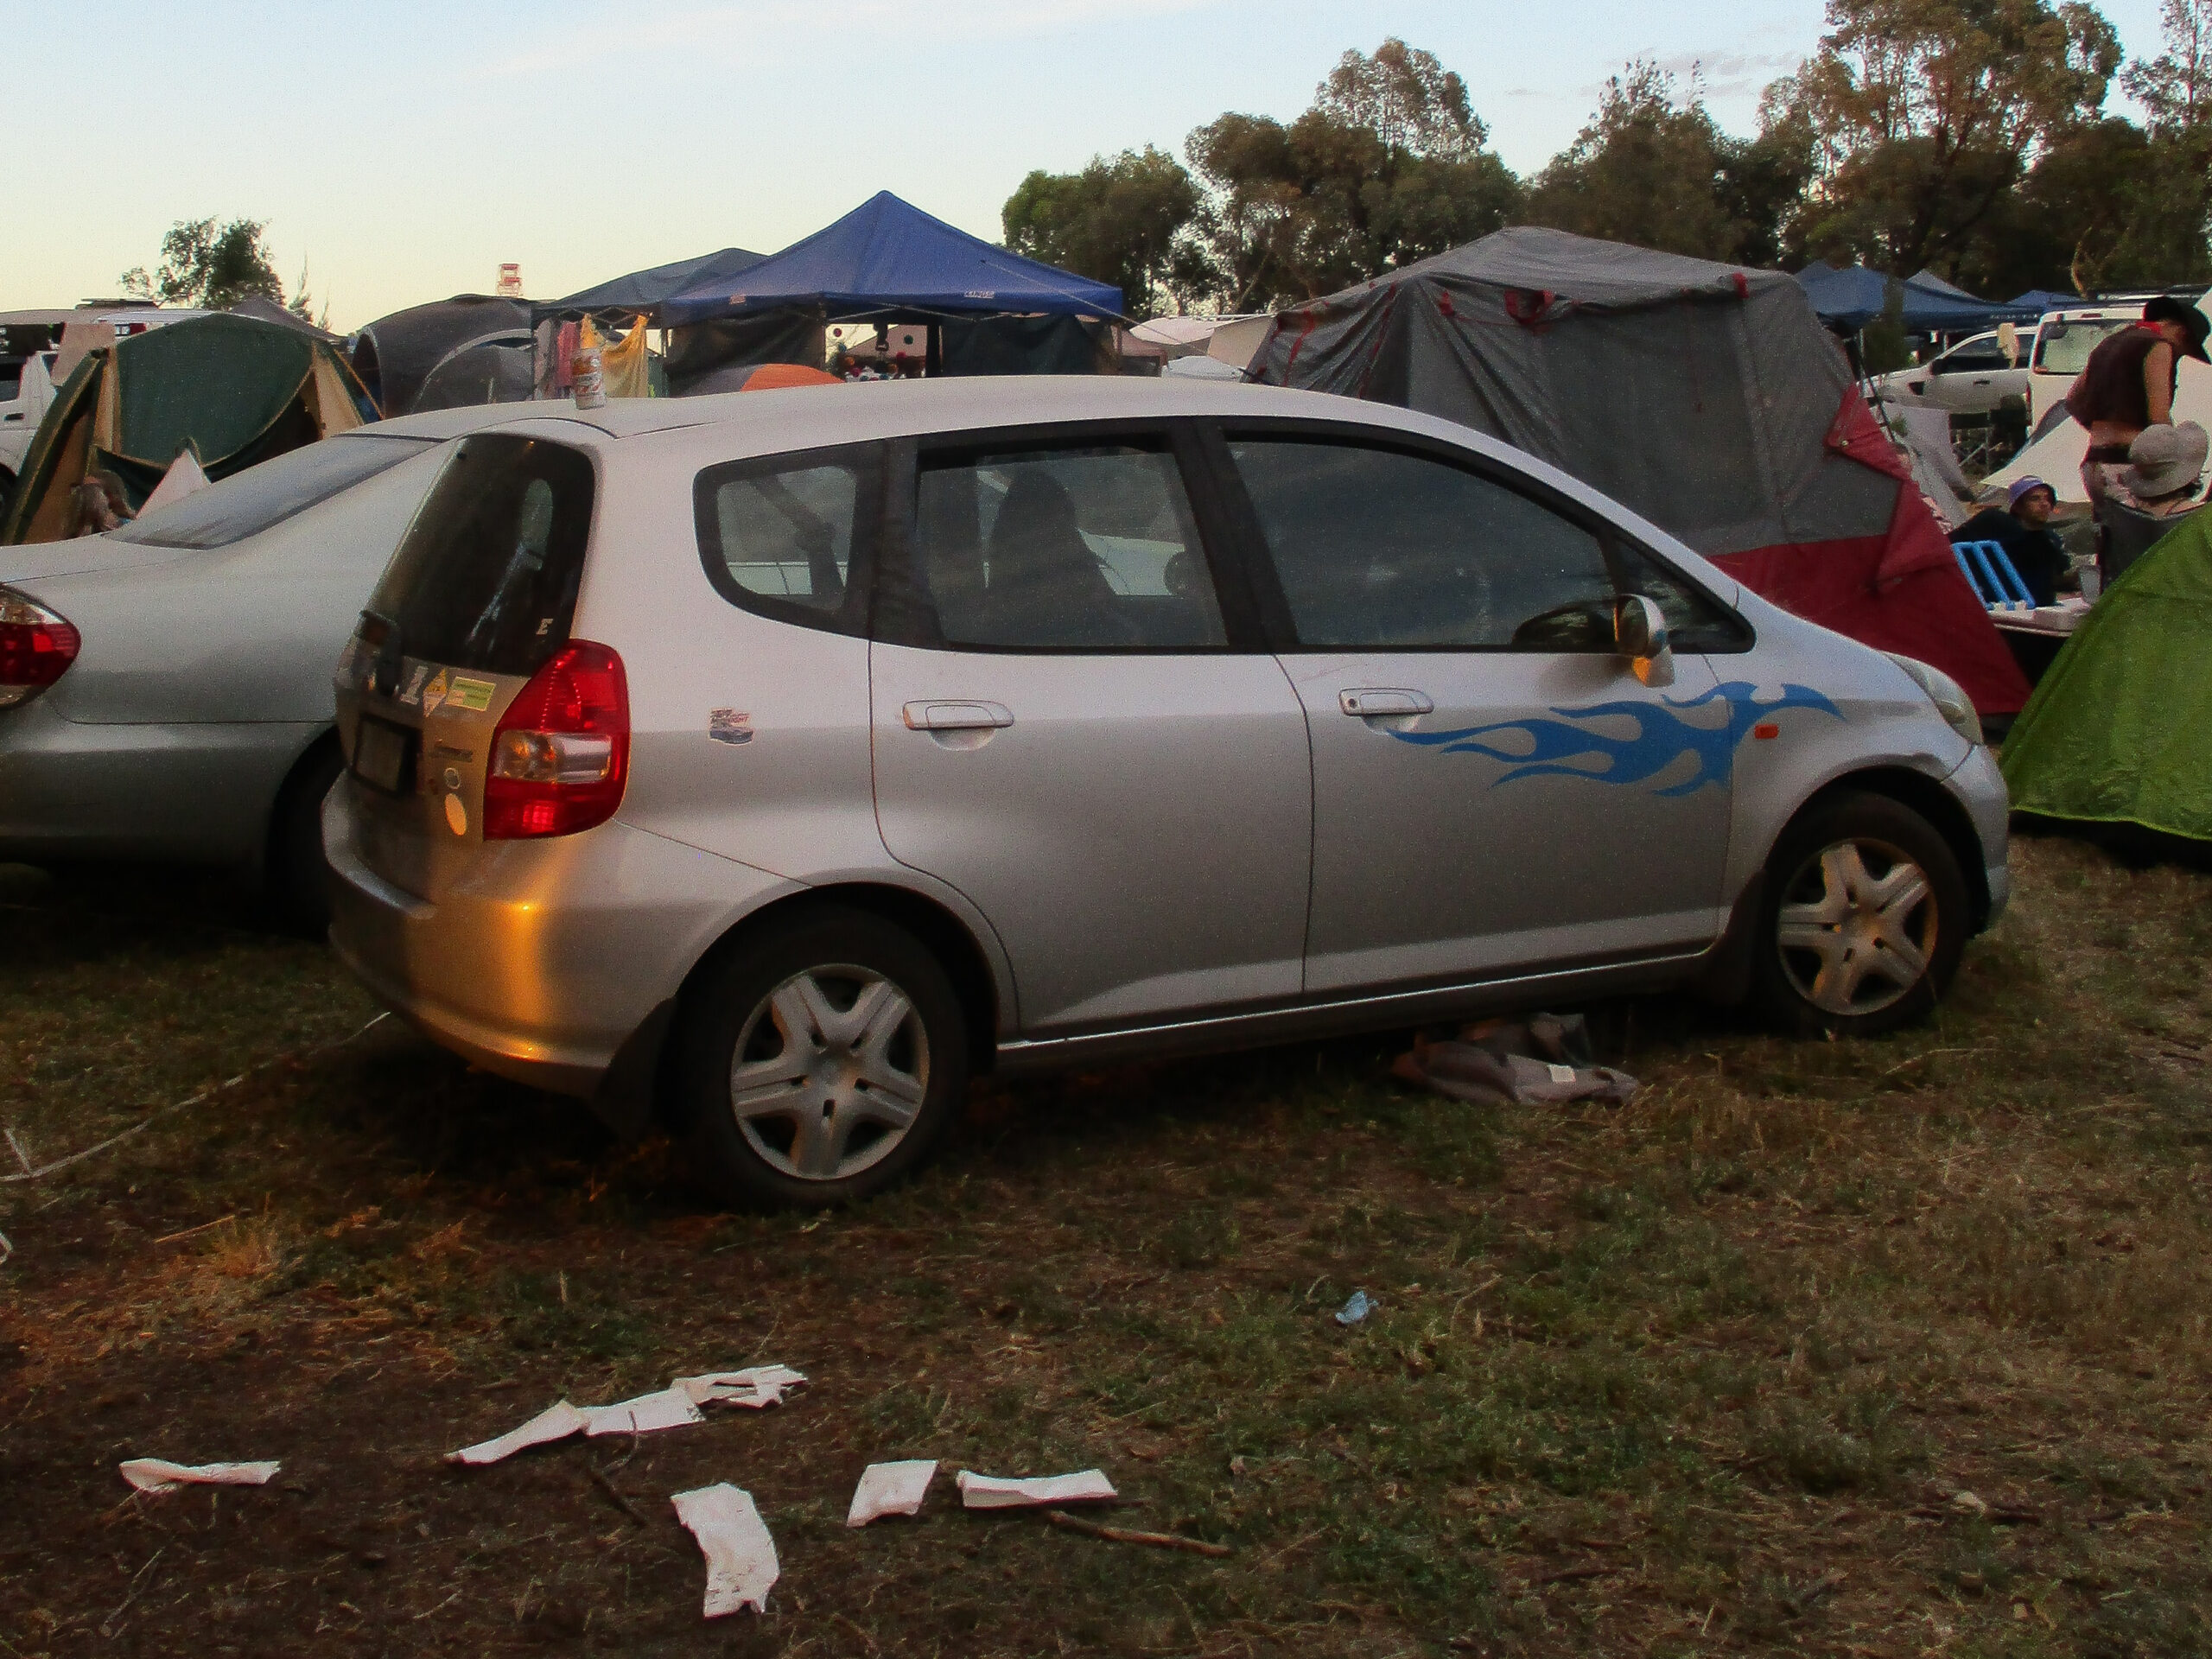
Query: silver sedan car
<point x="768" y="764"/>
<point x="165" y="689"/>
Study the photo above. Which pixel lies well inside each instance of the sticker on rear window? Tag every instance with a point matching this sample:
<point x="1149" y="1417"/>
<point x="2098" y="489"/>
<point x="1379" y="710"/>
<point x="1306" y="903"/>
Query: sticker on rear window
<point x="464" y="693"/>
<point x="413" y="693"/>
<point x="434" y="693"/>
<point x="729" y="726"/>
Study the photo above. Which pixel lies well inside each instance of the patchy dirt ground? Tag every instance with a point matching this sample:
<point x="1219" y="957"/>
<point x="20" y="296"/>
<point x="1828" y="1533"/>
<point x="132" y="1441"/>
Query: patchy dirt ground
<point x="1890" y="1348"/>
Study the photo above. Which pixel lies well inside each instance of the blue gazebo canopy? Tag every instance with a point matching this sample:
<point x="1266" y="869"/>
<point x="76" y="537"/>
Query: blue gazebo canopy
<point x="648" y="290"/>
<point x="889" y="255"/>
<point x="1852" y="296"/>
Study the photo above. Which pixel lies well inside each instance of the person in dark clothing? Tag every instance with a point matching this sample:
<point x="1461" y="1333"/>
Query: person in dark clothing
<point x="2128" y="384"/>
<point x="2022" y="528"/>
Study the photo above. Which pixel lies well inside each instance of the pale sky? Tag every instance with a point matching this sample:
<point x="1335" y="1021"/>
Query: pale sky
<point x="401" y="150"/>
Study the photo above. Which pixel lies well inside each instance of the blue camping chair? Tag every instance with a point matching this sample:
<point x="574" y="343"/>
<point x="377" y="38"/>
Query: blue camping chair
<point x="1989" y="572"/>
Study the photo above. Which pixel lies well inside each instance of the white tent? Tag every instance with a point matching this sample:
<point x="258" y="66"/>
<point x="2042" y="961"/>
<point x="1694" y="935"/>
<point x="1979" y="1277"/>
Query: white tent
<point x="1229" y="340"/>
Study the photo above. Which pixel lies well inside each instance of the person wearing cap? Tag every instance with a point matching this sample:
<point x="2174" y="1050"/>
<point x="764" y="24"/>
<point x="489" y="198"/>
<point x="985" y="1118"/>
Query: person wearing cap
<point x="2022" y="528"/>
<point x="2127" y="386"/>
<point x="2165" y="465"/>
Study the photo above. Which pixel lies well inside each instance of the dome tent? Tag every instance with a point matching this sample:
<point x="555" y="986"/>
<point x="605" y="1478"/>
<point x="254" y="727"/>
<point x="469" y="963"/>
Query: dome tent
<point x="395" y="356"/>
<point x="2115" y="731"/>
<point x="231" y="389"/>
<point x="1706" y="398"/>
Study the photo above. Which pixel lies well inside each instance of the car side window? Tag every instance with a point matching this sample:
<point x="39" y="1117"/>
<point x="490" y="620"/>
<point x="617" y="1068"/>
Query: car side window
<point x="787" y="536"/>
<point x="1694" y="622"/>
<point x="1377" y="549"/>
<point x="1087" y="547"/>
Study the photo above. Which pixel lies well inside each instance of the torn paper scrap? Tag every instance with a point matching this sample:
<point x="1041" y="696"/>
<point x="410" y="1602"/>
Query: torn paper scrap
<point x="159" y="1475"/>
<point x="741" y="1556"/>
<point x="1357" y="1308"/>
<point x="891" y="1489"/>
<point x="756" y="1386"/>
<point x="664" y="1409"/>
<point x="987" y="1492"/>
<point x="553" y="1423"/>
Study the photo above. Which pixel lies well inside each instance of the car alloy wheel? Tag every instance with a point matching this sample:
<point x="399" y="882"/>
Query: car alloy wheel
<point x="829" y="1073"/>
<point x="1856" y="927"/>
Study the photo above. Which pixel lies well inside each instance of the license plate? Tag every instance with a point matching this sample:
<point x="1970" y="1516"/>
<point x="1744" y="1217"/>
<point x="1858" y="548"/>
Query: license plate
<point x="384" y="755"/>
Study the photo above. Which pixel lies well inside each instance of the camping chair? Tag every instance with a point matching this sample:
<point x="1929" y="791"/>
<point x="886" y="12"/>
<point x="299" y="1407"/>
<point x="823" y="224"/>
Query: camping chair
<point x="1989" y="572"/>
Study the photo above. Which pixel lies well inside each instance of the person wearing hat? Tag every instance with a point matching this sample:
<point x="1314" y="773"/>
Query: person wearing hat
<point x="2022" y="528"/>
<point x="2127" y="385"/>
<point x="2166" y="464"/>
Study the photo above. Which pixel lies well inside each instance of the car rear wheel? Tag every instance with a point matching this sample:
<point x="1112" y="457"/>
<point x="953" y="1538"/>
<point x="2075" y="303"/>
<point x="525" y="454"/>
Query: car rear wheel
<point x="1864" y="921"/>
<point x="298" y="873"/>
<point x="819" y="1062"/>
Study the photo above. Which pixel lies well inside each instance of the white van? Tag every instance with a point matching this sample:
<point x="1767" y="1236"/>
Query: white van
<point x="2063" y="342"/>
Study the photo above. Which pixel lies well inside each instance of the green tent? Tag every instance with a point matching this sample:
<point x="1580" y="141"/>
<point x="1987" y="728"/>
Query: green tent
<point x="2115" y="733"/>
<point x="233" y="389"/>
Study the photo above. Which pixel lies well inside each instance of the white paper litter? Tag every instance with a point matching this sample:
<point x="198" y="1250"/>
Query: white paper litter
<point x="741" y="1556"/>
<point x="664" y="1409"/>
<point x="159" y="1475"/>
<point x="553" y="1423"/>
<point x="891" y="1489"/>
<point x="756" y="1386"/>
<point x="988" y="1492"/>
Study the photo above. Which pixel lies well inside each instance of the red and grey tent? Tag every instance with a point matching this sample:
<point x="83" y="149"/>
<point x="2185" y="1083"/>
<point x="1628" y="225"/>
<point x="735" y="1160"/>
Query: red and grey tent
<point x="1706" y="398"/>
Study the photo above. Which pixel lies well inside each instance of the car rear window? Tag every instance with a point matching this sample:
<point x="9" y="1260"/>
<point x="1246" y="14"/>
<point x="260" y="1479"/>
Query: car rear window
<point x="264" y="496"/>
<point x="487" y="576"/>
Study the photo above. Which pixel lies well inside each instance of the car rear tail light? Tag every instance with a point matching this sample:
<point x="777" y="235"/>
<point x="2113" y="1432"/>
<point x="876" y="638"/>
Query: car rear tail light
<point x="36" y="647"/>
<point x="561" y="753"/>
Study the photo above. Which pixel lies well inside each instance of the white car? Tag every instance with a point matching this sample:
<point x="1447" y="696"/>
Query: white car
<point x="1973" y="378"/>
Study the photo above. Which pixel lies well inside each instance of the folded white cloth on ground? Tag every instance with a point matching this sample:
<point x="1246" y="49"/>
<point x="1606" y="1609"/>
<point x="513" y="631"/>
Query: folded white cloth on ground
<point x="891" y="1489"/>
<point x="741" y="1556"/>
<point x="159" y="1475"/>
<point x="989" y="1492"/>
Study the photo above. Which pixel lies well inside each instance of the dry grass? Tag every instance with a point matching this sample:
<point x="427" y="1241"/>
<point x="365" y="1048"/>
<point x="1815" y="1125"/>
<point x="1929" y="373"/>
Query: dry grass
<point x="1708" y="1373"/>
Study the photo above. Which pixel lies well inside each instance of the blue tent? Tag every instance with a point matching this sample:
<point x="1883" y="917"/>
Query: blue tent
<point x="2040" y="299"/>
<point x="647" y="290"/>
<point x="885" y="256"/>
<point x="1852" y="296"/>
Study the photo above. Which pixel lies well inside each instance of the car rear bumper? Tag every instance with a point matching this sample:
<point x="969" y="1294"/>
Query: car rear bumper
<point x="196" y="793"/>
<point x="549" y="955"/>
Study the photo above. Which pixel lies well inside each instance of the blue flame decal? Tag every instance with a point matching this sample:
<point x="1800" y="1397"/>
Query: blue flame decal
<point x="1662" y="737"/>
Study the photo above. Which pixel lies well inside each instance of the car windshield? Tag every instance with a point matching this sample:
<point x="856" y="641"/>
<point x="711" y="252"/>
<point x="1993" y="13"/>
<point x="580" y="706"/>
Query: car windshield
<point x="2064" y="347"/>
<point x="260" y="497"/>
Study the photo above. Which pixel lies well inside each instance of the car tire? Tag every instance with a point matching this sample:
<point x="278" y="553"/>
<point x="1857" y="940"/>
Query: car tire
<point x="819" y="1062"/>
<point x="1863" y="921"/>
<point x="298" y="873"/>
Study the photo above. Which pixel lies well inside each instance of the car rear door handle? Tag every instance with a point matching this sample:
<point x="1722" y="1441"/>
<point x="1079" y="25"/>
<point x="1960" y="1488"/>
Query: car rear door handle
<point x="956" y="716"/>
<point x="1365" y="702"/>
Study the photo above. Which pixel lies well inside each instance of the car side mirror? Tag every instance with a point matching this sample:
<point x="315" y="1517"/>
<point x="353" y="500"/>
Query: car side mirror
<point x="1640" y="635"/>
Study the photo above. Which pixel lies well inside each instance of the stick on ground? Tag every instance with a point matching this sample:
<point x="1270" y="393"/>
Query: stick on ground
<point x="1067" y="1522"/>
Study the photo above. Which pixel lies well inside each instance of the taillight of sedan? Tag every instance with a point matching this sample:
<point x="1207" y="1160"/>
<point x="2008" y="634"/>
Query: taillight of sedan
<point x="37" y="647"/>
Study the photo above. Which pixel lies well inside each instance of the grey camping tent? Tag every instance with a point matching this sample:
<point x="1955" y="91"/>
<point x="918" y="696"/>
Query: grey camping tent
<point x="396" y="356"/>
<point x="1708" y="397"/>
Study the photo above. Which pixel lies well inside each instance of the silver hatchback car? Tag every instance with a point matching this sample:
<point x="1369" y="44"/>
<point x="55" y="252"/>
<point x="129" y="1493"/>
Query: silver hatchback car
<point x="770" y="763"/>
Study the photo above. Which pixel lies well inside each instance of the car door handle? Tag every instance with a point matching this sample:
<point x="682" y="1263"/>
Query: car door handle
<point x="1365" y="702"/>
<point x="956" y="716"/>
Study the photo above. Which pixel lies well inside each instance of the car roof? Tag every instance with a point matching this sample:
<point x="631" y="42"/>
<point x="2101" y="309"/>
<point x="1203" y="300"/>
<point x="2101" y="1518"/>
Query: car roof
<point x="797" y="417"/>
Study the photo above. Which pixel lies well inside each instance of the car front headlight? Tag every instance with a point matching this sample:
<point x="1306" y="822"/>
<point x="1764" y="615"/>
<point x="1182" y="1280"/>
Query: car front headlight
<point x="1946" y="694"/>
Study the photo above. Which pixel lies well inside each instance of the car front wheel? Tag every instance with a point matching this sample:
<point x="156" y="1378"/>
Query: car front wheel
<point x="820" y="1062"/>
<point x="1864" y="921"/>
